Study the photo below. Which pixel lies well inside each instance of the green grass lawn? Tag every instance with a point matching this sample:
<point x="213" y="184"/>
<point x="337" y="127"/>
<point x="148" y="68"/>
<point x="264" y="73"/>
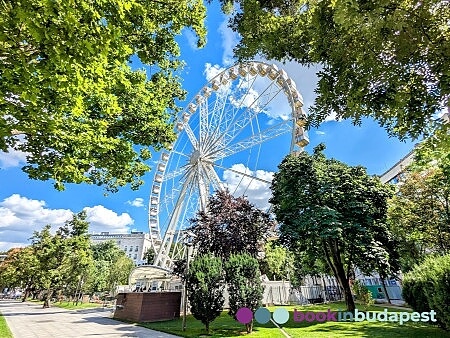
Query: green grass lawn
<point x="225" y="326"/>
<point x="4" y="329"/>
<point x="69" y="305"/>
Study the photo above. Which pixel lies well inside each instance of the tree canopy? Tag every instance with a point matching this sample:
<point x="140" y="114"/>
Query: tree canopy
<point x="230" y="225"/>
<point x="385" y="59"/>
<point x="419" y="216"/>
<point x="69" y="97"/>
<point x="336" y="213"/>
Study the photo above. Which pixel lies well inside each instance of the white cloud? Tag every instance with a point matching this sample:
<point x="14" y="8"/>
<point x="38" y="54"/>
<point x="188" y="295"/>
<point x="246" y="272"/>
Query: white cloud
<point x="249" y="99"/>
<point x="258" y="192"/>
<point x="138" y="202"/>
<point x="318" y="132"/>
<point x="21" y="216"/>
<point x="103" y="219"/>
<point x="13" y="158"/>
<point x="211" y="71"/>
<point x="191" y="38"/>
<point x="331" y="117"/>
<point x="229" y="41"/>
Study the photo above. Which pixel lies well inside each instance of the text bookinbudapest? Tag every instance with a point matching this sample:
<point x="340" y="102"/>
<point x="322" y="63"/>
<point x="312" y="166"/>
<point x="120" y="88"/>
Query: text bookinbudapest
<point x="359" y="316"/>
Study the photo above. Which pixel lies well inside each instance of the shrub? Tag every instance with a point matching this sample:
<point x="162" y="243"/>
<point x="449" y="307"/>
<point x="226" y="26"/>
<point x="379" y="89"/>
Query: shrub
<point x="427" y="287"/>
<point x="244" y="284"/>
<point x="362" y="294"/>
<point x="205" y="284"/>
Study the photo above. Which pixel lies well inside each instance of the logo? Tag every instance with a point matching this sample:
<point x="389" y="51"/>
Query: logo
<point x="281" y="315"/>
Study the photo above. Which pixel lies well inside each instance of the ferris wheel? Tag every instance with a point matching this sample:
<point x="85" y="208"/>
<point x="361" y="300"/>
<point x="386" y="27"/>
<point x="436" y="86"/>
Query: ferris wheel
<point x="225" y="136"/>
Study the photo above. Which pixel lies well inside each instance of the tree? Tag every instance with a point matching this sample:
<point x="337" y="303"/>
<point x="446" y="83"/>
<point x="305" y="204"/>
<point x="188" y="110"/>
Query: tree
<point x="205" y="286"/>
<point x="230" y="225"/>
<point x="385" y="59"/>
<point x="19" y="269"/>
<point x="149" y="256"/>
<point x="64" y="258"/>
<point x="68" y="95"/>
<point x="244" y="284"/>
<point x="419" y="216"/>
<point x="278" y="262"/>
<point x="112" y="267"/>
<point x="330" y="210"/>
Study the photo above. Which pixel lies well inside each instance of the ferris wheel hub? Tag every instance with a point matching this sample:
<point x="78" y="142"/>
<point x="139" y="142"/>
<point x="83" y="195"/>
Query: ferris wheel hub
<point x="195" y="157"/>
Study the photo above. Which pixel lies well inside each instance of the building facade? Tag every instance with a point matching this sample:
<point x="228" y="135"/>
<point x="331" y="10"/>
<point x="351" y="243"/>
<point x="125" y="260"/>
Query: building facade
<point x="135" y="244"/>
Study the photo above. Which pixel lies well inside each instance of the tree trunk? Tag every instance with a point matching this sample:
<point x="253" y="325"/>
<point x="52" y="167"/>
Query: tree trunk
<point x="348" y="297"/>
<point x="47" y="298"/>
<point x="385" y="290"/>
<point x="333" y="259"/>
<point x="207" y="327"/>
<point x="249" y="327"/>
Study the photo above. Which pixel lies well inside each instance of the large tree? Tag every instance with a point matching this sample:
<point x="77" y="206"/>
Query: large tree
<point x="335" y="212"/>
<point x="230" y="225"/>
<point x="419" y="216"/>
<point x="68" y="95"/>
<point x="386" y="59"/>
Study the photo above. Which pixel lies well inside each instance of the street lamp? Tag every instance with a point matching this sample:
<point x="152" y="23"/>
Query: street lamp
<point x="188" y="242"/>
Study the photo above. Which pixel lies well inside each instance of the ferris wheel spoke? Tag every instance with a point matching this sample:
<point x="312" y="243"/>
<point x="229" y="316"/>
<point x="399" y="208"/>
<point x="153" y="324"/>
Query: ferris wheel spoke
<point x="190" y="134"/>
<point x="243" y="174"/>
<point x="213" y="177"/>
<point x="263" y="136"/>
<point x="245" y="118"/>
<point x="174" y="174"/>
<point x="164" y="252"/>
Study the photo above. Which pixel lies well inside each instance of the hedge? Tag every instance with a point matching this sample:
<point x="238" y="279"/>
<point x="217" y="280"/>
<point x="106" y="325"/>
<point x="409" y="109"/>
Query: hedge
<point x="427" y="287"/>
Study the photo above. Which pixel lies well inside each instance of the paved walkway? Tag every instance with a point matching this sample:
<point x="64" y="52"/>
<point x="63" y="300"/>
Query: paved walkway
<point x="28" y="320"/>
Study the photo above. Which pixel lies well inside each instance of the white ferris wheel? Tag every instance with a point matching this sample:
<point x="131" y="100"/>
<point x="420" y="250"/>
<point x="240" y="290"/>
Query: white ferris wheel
<point x="225" y="134"/>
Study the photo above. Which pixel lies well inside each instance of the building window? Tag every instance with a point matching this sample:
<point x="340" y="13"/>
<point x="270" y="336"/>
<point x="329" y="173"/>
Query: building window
<point x="135" y="256"/>
<point x="137" y="249"/>
<point x="131" y="248"/>
<point x="125" y="248"/>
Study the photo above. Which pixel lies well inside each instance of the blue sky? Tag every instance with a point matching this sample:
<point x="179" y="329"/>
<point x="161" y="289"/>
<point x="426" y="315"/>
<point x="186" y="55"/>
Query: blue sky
<point x="27" y="205"/>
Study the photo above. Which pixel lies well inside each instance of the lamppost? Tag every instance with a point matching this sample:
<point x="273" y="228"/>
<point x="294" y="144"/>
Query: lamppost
<point x="187" y="241"/>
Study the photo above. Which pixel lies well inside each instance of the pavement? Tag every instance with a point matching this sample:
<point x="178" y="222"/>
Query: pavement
<point x="29" y="320"/>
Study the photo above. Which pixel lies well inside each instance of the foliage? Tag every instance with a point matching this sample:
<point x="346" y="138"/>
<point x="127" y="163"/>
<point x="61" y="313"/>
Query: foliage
<point x="64" y="259"/>
<point x="111" y="267"/>
<point x="362" y="293"/>
<point x="205" y="285"/>
<point x="20" y="268"/>
<point x="335" y="212"/>
<point x="68" y="95"/>
<point x="385" y="59"/>
<point x="59" y="262"/>
<point x="278" y="262"/>
<point x="419" y="215"/>
<point x="230" y="225"/>
<point x="149" y="256"/>
<point x="427" y="287"/>
<point x="244" y="284"/>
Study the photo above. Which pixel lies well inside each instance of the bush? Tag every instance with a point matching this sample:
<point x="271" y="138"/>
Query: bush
<point x="427" y="287"/>
<point x="362" y="294"/>
<point x="205" y="285"/>
<point x="244" y="284"/>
